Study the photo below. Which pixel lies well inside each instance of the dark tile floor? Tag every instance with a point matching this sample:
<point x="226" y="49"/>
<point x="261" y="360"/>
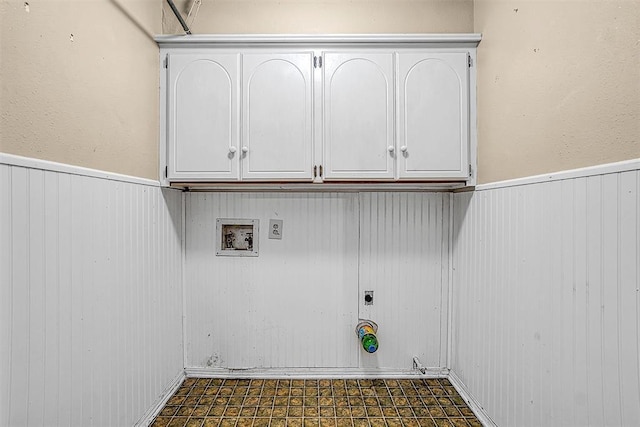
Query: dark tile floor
<point x="324" y="402"/>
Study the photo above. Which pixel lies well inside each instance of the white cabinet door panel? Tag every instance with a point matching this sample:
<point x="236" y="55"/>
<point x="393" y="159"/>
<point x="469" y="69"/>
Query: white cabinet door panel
<point x="358" y="116"/>
<point x="203" y="117"/>
<point x="277" y="116"/>
<point x="434" y="115"/>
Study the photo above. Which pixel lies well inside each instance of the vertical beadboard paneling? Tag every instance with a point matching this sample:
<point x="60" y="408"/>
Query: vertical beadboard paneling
<point x="37" y="246"/>
<point x="19" y="304"/>
<point x="6" y="294"/>
<point x="91" y="308"/>
<point x="546" y="300"/>
<point x="295" y="305"/>
<point x="404" y="260"/>
<point x="629" y="287"/>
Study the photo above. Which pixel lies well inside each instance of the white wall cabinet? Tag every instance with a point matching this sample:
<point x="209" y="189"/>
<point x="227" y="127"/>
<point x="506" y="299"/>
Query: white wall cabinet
<point x="277" y="139"/>
<point x="358" y="116"/>
<point x="320" y="110"/>
<point x="433" y="115"/>
<point x="202" y="107"/>
<point x="204" y="116"/>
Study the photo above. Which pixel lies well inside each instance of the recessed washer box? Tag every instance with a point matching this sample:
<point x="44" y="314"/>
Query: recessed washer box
<point x="237" y="237"/>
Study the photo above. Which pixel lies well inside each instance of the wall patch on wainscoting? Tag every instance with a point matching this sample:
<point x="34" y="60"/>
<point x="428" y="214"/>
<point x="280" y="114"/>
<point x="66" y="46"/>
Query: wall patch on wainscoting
<point x="213" y="360"/>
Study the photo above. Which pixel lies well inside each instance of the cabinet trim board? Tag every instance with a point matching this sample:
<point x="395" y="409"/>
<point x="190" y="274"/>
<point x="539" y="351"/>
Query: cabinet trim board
<point x="238" y="40"/>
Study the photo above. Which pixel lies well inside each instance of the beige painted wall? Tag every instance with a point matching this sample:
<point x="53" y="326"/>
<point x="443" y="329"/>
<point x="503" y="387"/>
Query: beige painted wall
<point x="558" y="85"/>
<point x="90" y="99"/>
<point x="328" y="16"/>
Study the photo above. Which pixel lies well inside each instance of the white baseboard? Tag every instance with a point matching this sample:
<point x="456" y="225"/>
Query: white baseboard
<point x="155" y="409"/>
<point x="313" y="373"/>
<point x="477" y="409"/>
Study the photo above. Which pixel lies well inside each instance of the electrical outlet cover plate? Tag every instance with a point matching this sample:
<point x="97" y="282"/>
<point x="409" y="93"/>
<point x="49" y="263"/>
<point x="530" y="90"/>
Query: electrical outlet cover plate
<point x="275" y="229"/>
<point x="368" y="297"/>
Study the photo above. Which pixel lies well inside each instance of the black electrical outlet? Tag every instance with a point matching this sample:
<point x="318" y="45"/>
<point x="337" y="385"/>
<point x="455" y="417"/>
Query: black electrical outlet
<point x="368" y="297"/>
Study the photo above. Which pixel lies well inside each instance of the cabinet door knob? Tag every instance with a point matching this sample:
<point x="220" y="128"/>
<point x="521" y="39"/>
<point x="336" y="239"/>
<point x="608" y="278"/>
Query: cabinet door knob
<point x="403" y="148"/>
<point x="391" y="149"/>
<point x="245" y="149"/>
<point x="232" y="150"/>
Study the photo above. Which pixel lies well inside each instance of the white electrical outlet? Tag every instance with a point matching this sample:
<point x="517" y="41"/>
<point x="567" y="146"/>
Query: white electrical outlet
<point x="275" y="229"/>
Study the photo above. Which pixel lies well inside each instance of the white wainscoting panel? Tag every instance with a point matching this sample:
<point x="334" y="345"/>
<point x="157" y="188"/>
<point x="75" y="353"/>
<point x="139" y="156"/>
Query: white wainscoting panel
<point x="90" y="297"/>
<point x="404" y="254"/>
<point x="547" y="301"/>
<point x="297" y="304"/>
<point x="294" y="304"/>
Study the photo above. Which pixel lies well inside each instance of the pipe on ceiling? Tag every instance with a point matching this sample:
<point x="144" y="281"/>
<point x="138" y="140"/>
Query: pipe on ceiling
<point x="175" y="12"/>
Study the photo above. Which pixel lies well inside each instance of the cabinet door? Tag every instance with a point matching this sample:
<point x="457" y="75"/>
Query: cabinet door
<point x="358" y="116"/>
<point x="202" y="117"/>
<point x="277" y="115"/>
<point x="433" y="115"/>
